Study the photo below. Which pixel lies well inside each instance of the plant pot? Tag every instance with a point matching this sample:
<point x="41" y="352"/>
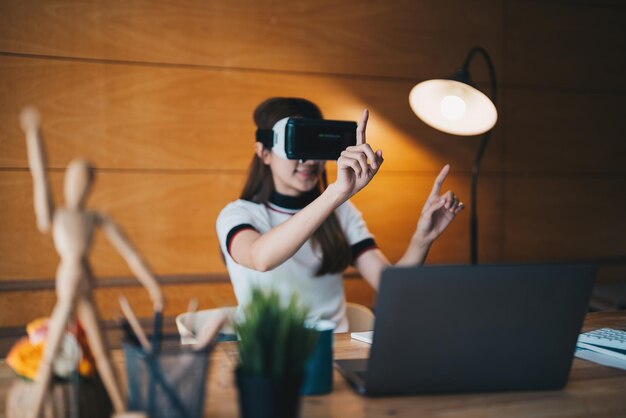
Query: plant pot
<point x="92" y="402"/>
<point x="268" y="397"/>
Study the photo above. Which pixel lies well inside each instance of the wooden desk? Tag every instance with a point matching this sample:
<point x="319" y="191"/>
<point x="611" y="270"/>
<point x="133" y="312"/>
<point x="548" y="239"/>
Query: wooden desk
<point x="592" y="390"/>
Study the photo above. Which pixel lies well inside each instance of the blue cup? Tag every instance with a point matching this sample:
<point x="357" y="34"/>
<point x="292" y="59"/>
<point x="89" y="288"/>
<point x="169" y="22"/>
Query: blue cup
<point x="318" y="371"/>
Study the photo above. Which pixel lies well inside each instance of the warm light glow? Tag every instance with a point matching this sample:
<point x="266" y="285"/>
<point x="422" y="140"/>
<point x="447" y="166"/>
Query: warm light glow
<point x="452" y="107"/>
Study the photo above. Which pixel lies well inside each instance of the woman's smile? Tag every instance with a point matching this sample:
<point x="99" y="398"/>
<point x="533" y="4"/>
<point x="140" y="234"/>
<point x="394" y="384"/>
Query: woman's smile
<point x="308" y="171"/>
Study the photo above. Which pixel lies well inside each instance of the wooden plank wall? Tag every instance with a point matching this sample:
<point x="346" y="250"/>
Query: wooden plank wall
<point x="159" y="95"/>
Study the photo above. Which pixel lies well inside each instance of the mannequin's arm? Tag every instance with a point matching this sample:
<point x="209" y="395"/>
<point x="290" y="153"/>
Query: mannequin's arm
<point x="133" y="259"/>
<point x="44" y="207"/>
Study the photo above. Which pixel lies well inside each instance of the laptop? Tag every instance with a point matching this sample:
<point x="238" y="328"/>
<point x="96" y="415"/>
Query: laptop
<point x="457" y="329"/>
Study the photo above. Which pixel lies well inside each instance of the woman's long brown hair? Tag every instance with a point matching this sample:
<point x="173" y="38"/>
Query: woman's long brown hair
<point x="336" y="255"/>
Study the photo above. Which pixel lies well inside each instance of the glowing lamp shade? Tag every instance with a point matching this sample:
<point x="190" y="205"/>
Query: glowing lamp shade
<point x="453" y="107"/>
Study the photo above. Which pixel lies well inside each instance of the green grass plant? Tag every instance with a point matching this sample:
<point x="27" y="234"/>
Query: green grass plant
<point x="274" y="340"/>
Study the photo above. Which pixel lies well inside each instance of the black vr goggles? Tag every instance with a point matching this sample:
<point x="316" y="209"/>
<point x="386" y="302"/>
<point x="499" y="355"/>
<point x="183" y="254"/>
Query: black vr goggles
<point x="308" y="139"/>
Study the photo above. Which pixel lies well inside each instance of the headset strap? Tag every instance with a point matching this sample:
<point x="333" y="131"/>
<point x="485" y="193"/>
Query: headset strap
<point x="266" y="137"/>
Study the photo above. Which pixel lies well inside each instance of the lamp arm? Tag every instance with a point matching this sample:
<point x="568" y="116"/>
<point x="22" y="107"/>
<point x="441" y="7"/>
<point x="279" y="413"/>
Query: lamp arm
<point x="479" y="153"/>
<point x="490" y="67"/>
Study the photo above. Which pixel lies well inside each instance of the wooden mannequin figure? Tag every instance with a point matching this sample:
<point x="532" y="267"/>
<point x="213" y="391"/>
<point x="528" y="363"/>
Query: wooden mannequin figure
<point x="72" y="232"/>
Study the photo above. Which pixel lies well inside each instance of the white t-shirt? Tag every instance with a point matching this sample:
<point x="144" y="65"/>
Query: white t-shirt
<point x="323" y="295"/>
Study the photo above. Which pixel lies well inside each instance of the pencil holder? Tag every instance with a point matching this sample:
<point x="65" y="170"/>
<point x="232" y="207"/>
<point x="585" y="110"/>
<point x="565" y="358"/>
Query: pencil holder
<point x="169" y="384"/>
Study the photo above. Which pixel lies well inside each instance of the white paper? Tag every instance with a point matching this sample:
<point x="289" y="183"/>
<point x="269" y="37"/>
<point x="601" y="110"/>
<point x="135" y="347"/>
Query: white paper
<point x="366" y="336"/>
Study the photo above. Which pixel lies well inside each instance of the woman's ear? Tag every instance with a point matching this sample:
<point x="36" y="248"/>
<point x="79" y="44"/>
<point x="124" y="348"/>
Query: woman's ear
<point x="263" y="153"/>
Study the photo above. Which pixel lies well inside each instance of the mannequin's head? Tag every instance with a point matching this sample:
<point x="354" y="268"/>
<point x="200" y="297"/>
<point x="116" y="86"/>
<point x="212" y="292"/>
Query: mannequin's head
<point x="78" y="180"/>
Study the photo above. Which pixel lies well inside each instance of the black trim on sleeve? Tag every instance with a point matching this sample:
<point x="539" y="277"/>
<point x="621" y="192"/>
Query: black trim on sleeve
<point x="234" y="231"/>
<point x="362" y="246"/>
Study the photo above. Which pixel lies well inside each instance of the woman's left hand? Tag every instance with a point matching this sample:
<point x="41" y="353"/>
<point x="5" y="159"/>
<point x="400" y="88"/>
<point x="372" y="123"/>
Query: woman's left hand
<point x="438" y="212"/>
<point x="357" y="164"/>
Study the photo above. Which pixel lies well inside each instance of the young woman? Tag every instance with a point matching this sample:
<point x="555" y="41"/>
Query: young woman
<point x="292" y="231"/>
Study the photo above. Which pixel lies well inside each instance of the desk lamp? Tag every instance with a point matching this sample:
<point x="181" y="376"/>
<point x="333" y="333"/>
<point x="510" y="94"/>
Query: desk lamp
<point x="455" y="106"/>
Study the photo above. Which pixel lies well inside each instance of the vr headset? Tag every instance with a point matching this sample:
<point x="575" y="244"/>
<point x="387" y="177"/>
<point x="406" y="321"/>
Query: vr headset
<point x="308" y="139"/>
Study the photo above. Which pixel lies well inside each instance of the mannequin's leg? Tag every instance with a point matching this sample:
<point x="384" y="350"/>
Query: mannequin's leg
<point x="89" y="318"/>
<point x="56" y="331"/>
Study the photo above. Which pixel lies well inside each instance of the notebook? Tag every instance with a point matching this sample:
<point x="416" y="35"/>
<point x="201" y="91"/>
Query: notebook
<point x="452" y="329"/>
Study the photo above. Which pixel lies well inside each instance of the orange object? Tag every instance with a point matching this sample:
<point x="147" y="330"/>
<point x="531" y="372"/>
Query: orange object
<point x="25" y="356"/>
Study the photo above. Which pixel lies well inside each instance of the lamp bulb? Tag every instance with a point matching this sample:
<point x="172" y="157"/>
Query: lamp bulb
<point x="453" y="107"/>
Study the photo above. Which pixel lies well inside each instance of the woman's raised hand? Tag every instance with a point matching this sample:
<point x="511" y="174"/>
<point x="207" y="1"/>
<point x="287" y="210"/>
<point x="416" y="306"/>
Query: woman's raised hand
<point x="357" y="164"/>
<point x="439" y="210"/>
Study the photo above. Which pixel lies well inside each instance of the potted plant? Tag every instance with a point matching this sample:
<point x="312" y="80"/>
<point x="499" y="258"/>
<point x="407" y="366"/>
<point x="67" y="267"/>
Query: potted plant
<point x="274" y="345"/>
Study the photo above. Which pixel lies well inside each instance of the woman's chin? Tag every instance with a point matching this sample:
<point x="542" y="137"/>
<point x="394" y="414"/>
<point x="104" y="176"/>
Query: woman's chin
<point x="307" y="185"/>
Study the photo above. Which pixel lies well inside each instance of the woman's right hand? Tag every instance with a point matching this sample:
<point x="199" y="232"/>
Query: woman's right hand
<point x="354" y="171"/>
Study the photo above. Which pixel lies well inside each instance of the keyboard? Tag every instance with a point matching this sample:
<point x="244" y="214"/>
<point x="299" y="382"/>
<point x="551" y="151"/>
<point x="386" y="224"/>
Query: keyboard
<point x="607" y="341"/>
<point x="605" y="337"/>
